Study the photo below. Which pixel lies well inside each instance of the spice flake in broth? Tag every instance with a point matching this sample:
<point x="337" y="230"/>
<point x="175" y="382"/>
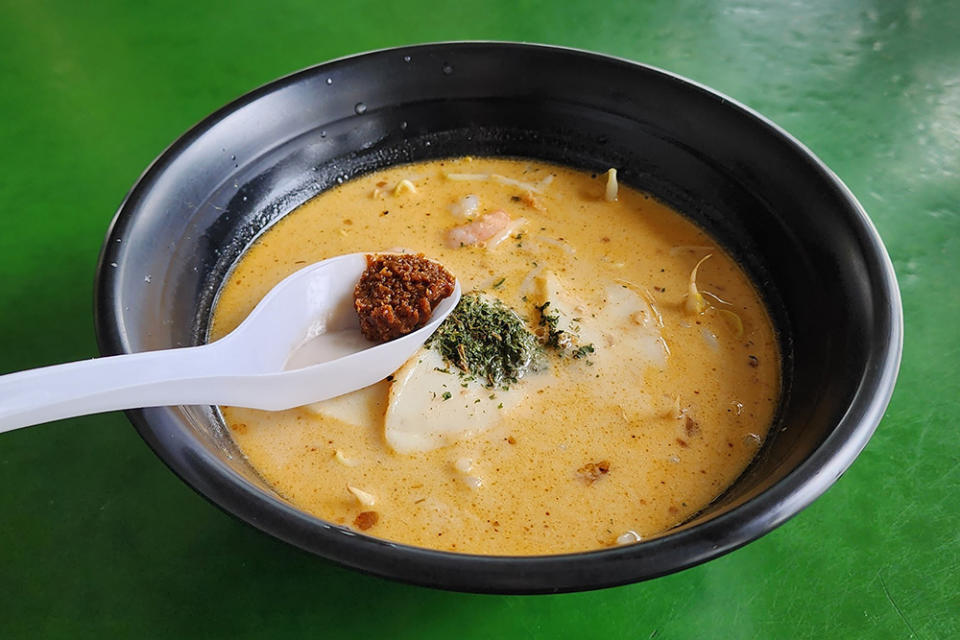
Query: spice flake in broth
<point x="615" y="445"/>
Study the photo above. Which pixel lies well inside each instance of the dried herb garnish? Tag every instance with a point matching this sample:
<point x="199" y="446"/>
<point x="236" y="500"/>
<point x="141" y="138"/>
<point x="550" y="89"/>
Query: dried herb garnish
<point x="581" y="352"/>
<point x="550" y="321"/>
<point x="565" y="342"/>
<point x="487" y="341"/>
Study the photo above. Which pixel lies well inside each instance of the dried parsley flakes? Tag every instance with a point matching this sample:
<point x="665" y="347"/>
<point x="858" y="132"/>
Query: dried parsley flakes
<point x="487" y="341"/>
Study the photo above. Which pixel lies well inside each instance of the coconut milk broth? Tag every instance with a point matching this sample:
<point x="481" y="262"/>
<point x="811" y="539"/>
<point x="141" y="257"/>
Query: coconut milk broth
<point x="673" y="423"/>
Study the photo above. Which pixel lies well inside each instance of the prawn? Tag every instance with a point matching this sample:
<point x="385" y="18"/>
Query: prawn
<point x="478" y="231"/>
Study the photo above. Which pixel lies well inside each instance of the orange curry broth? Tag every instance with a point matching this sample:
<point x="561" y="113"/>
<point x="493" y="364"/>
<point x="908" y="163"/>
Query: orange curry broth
<point x="592" y="451"/>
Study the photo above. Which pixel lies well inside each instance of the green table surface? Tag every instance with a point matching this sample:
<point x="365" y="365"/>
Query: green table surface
<point x="99" y="539"/>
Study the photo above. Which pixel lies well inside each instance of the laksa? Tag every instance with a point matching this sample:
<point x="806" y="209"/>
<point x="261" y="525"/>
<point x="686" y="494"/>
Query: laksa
<point x="609" y="372"/>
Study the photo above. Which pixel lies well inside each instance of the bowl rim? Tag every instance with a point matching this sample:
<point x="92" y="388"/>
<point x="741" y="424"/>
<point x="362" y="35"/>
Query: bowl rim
<point x="658" y="556"/>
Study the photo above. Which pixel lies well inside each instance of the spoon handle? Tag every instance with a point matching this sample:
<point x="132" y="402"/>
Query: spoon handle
<point x="148" y="379"/>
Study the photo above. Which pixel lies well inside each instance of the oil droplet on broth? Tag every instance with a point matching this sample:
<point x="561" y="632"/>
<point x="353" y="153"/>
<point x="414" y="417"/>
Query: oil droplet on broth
<point x="447" y="69"/>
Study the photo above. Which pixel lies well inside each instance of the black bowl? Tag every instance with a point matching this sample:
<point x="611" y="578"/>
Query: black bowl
<point x="793" y="225"/>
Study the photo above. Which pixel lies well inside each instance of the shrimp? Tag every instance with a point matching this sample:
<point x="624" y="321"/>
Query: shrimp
<point x="478" y="231"/>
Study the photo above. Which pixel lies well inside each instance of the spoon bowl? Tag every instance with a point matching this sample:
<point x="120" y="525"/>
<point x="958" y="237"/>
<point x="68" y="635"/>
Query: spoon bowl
<point x="312" y="348"/>
<point x="300" y="344"/>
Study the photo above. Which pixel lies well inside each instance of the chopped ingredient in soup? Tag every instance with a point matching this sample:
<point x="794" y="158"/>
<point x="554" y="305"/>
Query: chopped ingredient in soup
<point x="398" y="293"/>
<point x="404" y="186"/>
<point x="628" y="537"/>
<point x="571" y="402"/>
<point x="488" y="341"/>
<point x="612" y="188"/>
<point x="695" y="303"/>
<point x="563" y="341"/>
<point x="593" y="471"/>
<point x="363" y="497"/>
<point x="366" y="519"/>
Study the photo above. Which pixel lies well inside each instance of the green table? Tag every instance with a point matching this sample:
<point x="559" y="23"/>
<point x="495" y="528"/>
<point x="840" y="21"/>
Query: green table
<point x="99" y="539"/>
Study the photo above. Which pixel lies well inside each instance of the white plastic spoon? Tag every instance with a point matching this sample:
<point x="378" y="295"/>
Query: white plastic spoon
<point x="301" y="344"/>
